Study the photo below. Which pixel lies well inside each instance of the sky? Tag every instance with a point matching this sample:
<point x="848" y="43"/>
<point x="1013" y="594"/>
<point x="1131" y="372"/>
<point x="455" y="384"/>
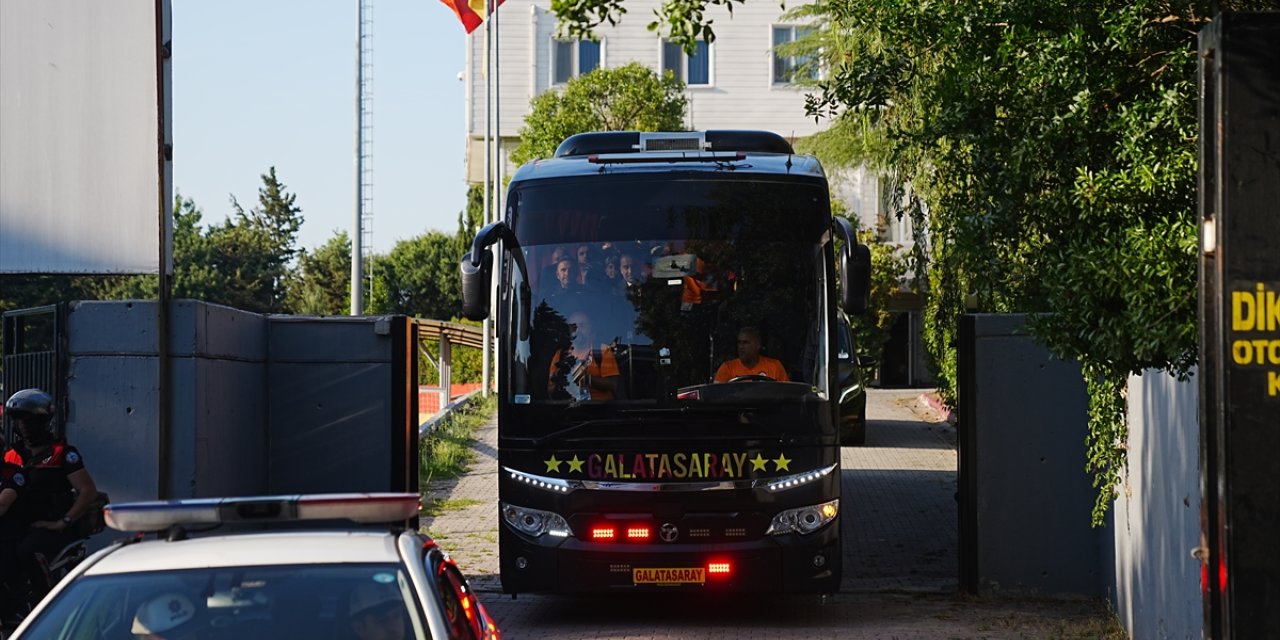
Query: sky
<point x="258" y="84"/>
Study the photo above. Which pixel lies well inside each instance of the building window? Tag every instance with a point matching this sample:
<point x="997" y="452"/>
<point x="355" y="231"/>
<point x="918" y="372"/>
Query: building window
<point x="692" y="69"/>
<point x="788" y="69"/>
<point x="570" y="58"/>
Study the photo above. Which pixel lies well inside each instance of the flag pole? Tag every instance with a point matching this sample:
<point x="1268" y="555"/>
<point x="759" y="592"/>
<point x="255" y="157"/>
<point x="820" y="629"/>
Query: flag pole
<point x="487" y="327"/>
<point x="497" y="152"/>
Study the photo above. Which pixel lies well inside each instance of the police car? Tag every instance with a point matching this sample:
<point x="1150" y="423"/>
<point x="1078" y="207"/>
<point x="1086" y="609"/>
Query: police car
<point x="284" y="573"/>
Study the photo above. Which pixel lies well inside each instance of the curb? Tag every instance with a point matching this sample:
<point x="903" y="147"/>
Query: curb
<point x="931" y="400"/>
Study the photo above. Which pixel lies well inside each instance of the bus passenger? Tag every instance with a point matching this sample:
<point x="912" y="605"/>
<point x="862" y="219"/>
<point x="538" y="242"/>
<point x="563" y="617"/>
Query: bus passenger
<point x="583" y="272"/>
<point x="587" y="371"/>
<point x="563" y="282"/>
<point x="750" y="362"/>
<point x="612" y="282"/>
<point x="627" y="271"/>
<point x="548" y="273"/>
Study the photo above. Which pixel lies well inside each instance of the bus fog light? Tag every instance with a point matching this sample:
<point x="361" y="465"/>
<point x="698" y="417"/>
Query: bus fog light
<point x="535" y="522"/>
<point x="522" y="563"/>
<point x="819" y="560"/>
<point x="804" y="520"/>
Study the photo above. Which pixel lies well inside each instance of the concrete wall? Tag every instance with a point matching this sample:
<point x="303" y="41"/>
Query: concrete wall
<point x="1025" y="498"/>
<point x="218" y="355"/>
<point x="333" y="391"/>
<point x="260" y="404"/>
<point x="1155" y="585"/>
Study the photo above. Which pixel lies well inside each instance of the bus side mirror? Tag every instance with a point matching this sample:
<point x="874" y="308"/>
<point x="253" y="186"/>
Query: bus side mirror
<point x="855" y="269"/>
<point x="855" y="278"/>
<point x="476" y="282"/>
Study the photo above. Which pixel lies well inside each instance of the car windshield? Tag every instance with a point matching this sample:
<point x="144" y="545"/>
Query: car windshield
<point x="643" y="287"/>
<point x="248" y="603"/>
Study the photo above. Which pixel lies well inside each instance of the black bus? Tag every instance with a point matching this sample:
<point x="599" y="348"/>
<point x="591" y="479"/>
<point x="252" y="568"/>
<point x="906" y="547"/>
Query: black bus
<point x="666" y="354"/>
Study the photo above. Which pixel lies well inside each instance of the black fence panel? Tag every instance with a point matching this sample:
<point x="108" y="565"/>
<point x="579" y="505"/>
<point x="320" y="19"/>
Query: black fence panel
<point x="35" y="355"/>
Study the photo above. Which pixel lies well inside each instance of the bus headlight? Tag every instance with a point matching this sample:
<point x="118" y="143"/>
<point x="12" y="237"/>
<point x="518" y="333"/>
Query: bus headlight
<point x="804" y="520"/>
<point x="535" y="522"/>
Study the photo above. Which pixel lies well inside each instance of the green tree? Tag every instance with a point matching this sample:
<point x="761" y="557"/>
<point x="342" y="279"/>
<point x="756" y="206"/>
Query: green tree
<point x="628" y="98"/>
<point x="470" y="219"/>
<point x="253" y="250"/>
<point x="322" y="281"/>
<point x="421" y="277"/>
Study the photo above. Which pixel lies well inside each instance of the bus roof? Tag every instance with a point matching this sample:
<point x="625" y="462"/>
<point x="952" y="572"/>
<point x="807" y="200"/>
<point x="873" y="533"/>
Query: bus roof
<point x="629" y="152"/>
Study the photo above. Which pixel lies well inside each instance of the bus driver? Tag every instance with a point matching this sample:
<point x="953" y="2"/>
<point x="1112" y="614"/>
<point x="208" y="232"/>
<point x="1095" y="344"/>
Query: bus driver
<point x="749" y="361"/>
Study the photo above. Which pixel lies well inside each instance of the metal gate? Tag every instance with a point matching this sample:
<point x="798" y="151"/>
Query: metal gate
<point x="35" y="355"/>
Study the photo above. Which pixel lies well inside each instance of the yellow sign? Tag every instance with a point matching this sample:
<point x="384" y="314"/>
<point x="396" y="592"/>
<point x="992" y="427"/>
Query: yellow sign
<point x="689" y="575"/>
<point x="1255" y="331"/>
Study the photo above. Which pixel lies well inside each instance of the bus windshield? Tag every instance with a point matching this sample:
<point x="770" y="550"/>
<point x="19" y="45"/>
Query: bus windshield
<point x="648" y="290"/>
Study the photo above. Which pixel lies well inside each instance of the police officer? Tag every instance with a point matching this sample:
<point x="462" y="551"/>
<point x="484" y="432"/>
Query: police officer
<point x="53" y="470"/>
<point x="13" y="483"/>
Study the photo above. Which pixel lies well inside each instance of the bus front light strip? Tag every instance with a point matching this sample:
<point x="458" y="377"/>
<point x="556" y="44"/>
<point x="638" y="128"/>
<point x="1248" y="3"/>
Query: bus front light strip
<point x="563" y="486"/>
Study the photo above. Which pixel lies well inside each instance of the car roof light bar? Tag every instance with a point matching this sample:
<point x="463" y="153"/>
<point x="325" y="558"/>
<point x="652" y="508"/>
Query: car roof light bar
<point x="356" y="507"/>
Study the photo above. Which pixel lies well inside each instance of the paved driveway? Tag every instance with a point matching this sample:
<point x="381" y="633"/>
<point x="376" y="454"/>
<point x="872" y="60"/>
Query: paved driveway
<point x="900" y="565"/>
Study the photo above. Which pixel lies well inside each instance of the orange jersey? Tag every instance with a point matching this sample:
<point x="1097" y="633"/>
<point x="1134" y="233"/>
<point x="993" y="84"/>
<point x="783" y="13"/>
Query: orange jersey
<point x="605" y="367"/>
<point x="765" y="365"/>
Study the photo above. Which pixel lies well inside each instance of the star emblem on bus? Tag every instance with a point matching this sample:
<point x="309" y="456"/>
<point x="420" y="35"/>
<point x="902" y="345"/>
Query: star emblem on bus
<point x="758" y="463"/>
<point x="781" y="463"/>
<point x="553" y="464"/>
<point x="575" y="464"/>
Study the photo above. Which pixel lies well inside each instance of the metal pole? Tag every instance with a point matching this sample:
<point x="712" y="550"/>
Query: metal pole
<point x="446" y="370"/>
<point x="357" y="226"/>
<point x="486" y="328"/>
<point x="165" y="281"/>
<point x="498" y="171"/>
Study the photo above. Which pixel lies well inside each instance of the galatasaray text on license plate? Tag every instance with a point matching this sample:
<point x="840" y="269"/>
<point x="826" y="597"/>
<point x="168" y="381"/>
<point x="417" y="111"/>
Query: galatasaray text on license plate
<point x="692" y="575"/>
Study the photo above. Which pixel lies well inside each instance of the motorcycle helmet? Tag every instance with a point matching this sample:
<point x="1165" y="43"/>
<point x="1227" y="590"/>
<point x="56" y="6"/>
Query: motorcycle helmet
<point x="31" y="405"/>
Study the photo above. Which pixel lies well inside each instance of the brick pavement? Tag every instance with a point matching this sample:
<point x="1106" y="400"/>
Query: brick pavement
<point x="899" y="513"/>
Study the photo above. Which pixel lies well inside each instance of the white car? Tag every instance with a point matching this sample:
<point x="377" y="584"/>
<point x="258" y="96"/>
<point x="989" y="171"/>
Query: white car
<point x="271" y="578"/>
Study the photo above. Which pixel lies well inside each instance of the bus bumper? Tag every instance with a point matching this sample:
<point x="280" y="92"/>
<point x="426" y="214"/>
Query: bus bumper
<point x="777" y="564"/>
